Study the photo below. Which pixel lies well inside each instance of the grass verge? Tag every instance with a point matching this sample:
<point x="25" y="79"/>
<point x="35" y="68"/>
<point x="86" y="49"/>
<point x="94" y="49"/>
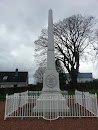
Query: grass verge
<point x="2" y="98"/>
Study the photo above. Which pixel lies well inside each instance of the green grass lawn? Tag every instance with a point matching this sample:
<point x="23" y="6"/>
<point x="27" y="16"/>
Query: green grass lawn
<point x="2" y="97"/>
<point x="93" y="91"/>
<point x="71" y="93"/>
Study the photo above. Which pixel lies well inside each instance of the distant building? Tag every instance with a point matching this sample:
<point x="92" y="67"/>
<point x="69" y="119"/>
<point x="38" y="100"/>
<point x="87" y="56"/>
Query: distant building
<point x="13" y="79"/>
<point x="82" y="77"/>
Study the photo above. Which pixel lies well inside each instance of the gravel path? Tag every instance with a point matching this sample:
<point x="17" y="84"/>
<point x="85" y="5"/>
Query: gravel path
<point x="41" y="124"/>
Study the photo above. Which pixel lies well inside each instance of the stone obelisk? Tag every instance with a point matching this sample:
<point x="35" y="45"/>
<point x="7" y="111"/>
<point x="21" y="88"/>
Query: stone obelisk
<point x="51" y="77"/>
<point x="51" y="93"/>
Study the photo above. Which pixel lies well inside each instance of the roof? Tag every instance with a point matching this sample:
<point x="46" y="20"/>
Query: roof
<point x="11" y="77"/>
<point x="81" y="75"/>
<point x="85" y="75"/>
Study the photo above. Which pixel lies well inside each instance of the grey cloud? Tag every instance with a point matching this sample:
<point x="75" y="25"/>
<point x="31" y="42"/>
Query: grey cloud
<point x="21" y="22"/>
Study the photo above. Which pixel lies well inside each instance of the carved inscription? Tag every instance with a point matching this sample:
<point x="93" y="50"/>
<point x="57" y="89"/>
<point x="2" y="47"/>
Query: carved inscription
<point x="50" y="80"/>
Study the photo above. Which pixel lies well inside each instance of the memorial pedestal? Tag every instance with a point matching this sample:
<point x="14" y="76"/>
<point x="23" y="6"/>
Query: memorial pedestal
<point x="51" y="102"/>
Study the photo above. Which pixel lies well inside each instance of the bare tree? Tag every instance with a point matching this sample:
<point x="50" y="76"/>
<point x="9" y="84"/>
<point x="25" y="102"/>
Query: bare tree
<point x="59" y="67"/>
<point x="38" y="76"/>
<point x="94" y="47"/>
<point x="71" y="38"/>
<point x="95" y="43"/>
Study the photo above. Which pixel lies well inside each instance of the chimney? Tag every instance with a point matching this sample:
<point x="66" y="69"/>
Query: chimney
<point x="16" y="73"/>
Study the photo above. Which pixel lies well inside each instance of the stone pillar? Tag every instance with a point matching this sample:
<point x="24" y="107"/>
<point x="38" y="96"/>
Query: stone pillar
<point x="51" y="77"/>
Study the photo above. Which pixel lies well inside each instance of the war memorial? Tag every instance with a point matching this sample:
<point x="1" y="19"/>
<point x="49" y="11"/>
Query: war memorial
<point x="51" y="103"/>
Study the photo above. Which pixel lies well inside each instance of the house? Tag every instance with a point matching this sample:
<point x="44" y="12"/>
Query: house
<point x="12" y="79"/>
<point x="82" y="77"/>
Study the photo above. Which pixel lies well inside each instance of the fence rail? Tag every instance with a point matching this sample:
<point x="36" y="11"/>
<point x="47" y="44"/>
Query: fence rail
<point x="35" y="104"/>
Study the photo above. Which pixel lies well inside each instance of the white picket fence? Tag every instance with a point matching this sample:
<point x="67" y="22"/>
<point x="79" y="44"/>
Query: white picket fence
<point x="14" y="102"/>
<point x="26" y="105"/>
<point x="88" y="101"/>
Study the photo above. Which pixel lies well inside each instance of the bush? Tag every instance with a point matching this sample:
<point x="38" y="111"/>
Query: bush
<point x="5" y="91"/>
<point x="39" y="86"/>
<point x="80" y="86"/>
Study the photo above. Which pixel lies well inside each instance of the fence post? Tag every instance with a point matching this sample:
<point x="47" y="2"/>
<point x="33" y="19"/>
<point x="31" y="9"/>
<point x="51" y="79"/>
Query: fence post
<point x="5" y="106"/>
<point x="97" y="110"/>
<point x="96" y="104"/>
<point x="27" y="96"/>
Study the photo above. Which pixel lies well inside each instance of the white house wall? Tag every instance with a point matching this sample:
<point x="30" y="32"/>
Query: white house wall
<point x="83" y="80"/>
<point x="10" y="85"/>
<point x="6" y="86"/>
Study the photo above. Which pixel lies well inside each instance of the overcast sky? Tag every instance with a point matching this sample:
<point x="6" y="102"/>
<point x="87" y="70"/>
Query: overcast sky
<point x="21" y="22"/>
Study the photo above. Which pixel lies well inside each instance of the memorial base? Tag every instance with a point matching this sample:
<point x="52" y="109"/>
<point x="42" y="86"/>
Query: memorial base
<point x="51" y="102"/>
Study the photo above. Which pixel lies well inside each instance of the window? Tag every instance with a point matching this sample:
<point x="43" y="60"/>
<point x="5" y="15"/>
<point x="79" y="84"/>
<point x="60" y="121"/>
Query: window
<point x="5" y="77"/>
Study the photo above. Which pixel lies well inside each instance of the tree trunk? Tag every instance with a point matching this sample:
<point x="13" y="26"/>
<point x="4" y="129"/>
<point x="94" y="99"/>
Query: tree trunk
<point x="74" y="75"/>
